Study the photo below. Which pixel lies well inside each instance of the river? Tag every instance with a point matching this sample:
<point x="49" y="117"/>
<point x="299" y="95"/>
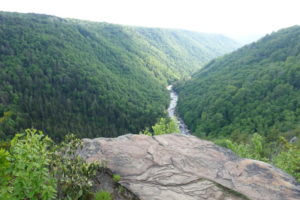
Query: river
<point x="171" y="111"/>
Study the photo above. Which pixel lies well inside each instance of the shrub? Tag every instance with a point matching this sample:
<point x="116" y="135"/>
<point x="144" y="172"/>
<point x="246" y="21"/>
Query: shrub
<point x="73" y="174"/>
<point x="163" y="126"/>
<point x="116" y="178"/>
<point x="5" y="145"/>
<point x="253" y="150"/>
<point x="103" y="195"/>
<point x="35" y="168"/>
<point x="289" y="159"/>
<point x="28" y="176"/>
<point x="5" y="176"/>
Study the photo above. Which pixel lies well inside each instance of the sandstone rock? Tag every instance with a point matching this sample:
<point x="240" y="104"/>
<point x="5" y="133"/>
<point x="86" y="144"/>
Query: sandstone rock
<point x="183" y="167"/>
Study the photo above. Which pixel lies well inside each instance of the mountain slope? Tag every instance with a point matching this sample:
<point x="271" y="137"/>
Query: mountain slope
<point x="92" y="79"/>
<point x="254" y="89"/>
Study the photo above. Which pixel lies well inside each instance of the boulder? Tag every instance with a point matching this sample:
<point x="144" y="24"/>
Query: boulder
<point x="184" y="167"/>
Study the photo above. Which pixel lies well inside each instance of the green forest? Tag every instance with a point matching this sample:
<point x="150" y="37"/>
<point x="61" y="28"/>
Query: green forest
<point x="249" y="100"/>
<point x="60" y="76"/>
<point x="92" y="79"/>
<point x="254" y="89"/>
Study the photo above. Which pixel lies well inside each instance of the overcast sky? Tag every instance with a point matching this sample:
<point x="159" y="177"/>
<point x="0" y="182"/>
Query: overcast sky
<point x="233" y="18"/>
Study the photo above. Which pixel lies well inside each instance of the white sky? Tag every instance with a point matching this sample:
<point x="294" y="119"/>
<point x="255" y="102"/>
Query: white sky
<point x="234" y="18"/>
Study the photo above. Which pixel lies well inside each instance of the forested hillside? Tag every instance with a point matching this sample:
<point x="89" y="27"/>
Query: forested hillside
<point x="91" y="79"/>
<point x="249" y="101"/>
<point x="255" y="89"/>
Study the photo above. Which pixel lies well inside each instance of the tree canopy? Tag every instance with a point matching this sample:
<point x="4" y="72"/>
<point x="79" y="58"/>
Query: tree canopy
<point x="254" y="89"/>
<point x="92" y="79"/>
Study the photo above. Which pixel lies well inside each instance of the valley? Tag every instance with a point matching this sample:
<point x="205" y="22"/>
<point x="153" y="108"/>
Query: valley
<point x="108" y="95"/>
<point x="92" y="79"/>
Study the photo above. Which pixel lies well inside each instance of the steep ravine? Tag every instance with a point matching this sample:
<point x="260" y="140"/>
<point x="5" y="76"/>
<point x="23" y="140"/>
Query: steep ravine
<point x="171" y="111"/>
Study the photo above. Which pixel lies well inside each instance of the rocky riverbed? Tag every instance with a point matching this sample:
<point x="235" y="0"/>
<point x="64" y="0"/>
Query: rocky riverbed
<point x="172" y="114"/>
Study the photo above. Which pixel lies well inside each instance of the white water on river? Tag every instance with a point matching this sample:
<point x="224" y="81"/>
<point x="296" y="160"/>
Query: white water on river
<point x="171" y="111"/>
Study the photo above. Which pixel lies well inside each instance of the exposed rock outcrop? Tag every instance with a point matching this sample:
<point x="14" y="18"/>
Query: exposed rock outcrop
<point x="183" y="167"/>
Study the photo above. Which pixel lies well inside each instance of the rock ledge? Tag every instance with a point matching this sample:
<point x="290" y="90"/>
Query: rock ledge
<point x="183" y="167"/>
